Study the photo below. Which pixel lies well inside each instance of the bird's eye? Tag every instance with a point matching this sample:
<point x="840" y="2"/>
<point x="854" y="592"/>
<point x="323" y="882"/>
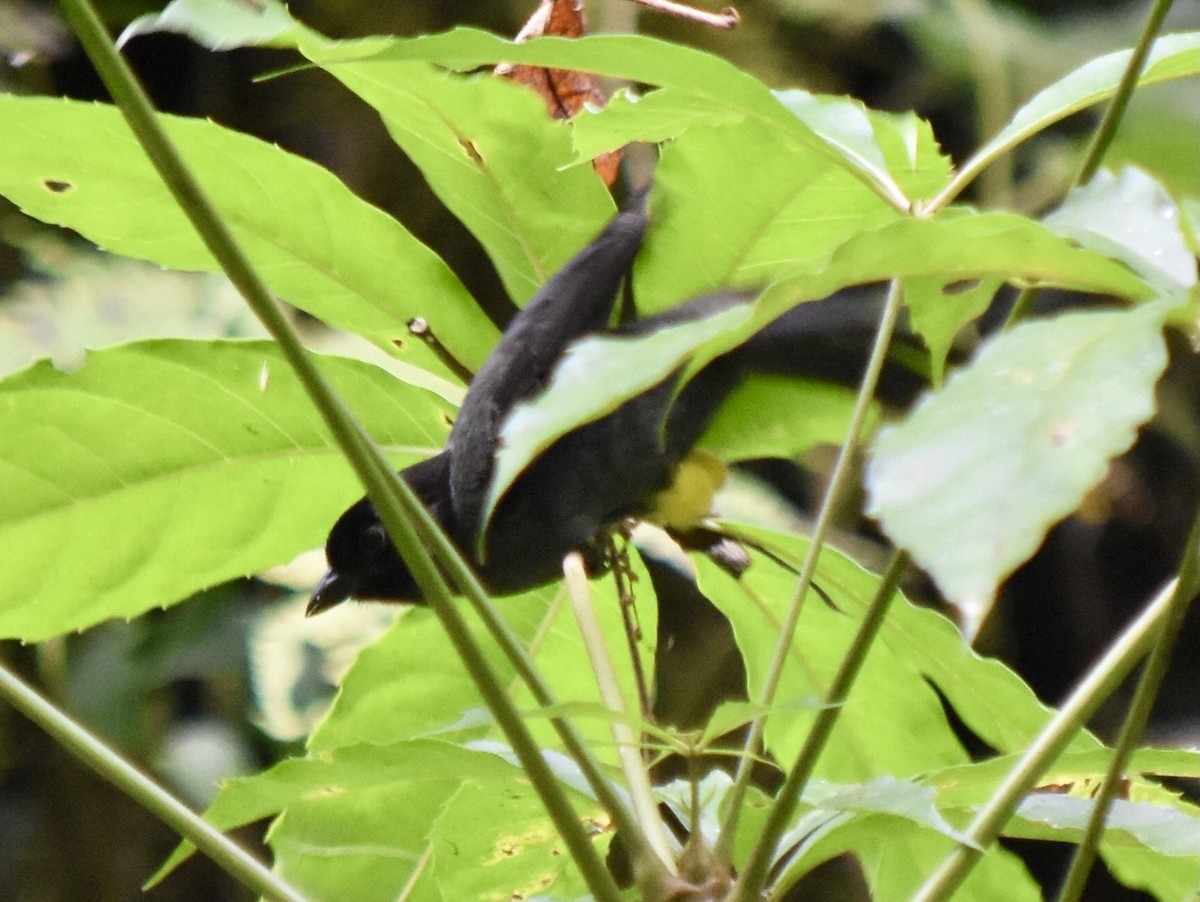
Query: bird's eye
<point x="376" y="538"/>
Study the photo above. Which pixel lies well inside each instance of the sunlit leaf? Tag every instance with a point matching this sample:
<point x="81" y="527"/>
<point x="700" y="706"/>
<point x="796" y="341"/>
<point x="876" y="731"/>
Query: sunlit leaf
<point x="977" y="473"/>
<point x="315" y="244"/>
<point x="1172" y="56"/>
<point x="164" y="467"/>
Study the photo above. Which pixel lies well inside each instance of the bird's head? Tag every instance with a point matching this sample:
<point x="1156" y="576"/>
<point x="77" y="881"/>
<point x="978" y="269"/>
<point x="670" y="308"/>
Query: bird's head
<point x="363" y="562"/>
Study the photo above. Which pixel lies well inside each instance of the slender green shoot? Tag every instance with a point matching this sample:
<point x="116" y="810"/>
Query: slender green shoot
<point x="839" y="483"/>
<point x="1138" y="715"/>
<point x="1106" y="131"/>
<point x="753" y="877"/>
<point x="1097" y="685"/>
<point x="636" y="777"/>
<point x="106" y="762"/>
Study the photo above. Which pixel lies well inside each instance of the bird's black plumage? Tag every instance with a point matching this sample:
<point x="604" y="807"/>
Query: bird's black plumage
<point x="591" y="478"/>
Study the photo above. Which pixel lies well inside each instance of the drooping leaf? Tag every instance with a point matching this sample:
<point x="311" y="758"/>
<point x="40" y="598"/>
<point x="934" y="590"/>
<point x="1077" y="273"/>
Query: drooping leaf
<point x="592" y="379"/>
<point x="315" y="244"/>
<point x="163" y="467"/>
<point x="1152" y="835"/>
<point x="937" y="311"/>
<point x="896" y="860"/>
<point x="495" y="158"/>
<point x="884" y="795"/>
<point x="977" y="473"/>
<point x="487" y="147"/>
<point x="1130" y="217"/>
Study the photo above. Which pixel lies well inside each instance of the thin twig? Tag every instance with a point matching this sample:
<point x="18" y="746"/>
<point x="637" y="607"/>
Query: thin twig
<point x="727" y="18"/>
<point x="109" y="764"/>
<point x="636" y="777"/>
<point x="1105" y="132"/>
<point x="623" y="577"/>
<point x="1148" y="687"/>
<point x="754" y="875"/>
<point x="838" y="484"/>
<point x="1097" y="685"/>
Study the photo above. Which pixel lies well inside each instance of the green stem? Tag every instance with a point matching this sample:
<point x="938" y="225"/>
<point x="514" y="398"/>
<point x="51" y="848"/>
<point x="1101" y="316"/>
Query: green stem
<point x="754" y="876"/>
<point x="405" y="518"/>
<point x="1149" y="684"/>
<point x="989" y="71"/>
<point x="108" y="763"/>
<point x="834" y="493"/>
<point x="1105" y="132"/>
<point x="1097" y="685"/>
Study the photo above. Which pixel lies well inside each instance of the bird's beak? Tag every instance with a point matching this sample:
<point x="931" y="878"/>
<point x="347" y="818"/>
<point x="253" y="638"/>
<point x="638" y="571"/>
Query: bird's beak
<point x="331" y="591"/>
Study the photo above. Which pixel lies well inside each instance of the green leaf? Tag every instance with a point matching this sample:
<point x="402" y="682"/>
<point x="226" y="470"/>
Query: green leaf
<point x="411" y="684"/>
<point x="376" y="817"/>
<point x="496" y="160"/>
<point x="1164" y="829"/>
<point x="893" y="723"/>
<point x="317" y="245"/>
<point x="221" y="24"/>
<point x="703" y="79"/>
<point x="1151" y="841"/>
<point x="937" y="311"/>
<point x="977" y="473"/>
<point x="486" y="146"/>
<point x="713" y="232"/>
<point x="593" y="378"/>
<point x="774" y="416"/>
<point x="990" y="700"/>
<point x="896" y="859"/>
<point x="1130" y="217"/>
<point x="1173" y="56"/>
<point x="163" y="467"/>
<point x="884" y="795"/>
<point x="517" y="856"/>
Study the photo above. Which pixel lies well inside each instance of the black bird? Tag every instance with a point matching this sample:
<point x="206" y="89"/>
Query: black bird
<point x="597" y="475"/>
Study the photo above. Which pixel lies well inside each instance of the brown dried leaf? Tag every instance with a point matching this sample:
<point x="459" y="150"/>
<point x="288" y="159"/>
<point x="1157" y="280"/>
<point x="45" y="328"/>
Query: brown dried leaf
<point x="565" y="92"/>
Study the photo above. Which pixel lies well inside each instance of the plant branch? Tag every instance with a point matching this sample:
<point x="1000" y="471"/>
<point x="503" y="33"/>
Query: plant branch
<point x="754" y="876"/>
<point x="403" y="515"/>
<point x="636" y="778"/>
<point x="1105" y="132"/>
<point x="106" y="762"/>
<point x="1186" y="587"/>
<point x="1097" y="685"/>
<point x="1100" y="141"/>
<point x="838" y="483"/>
<point x="727" y="18"/>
